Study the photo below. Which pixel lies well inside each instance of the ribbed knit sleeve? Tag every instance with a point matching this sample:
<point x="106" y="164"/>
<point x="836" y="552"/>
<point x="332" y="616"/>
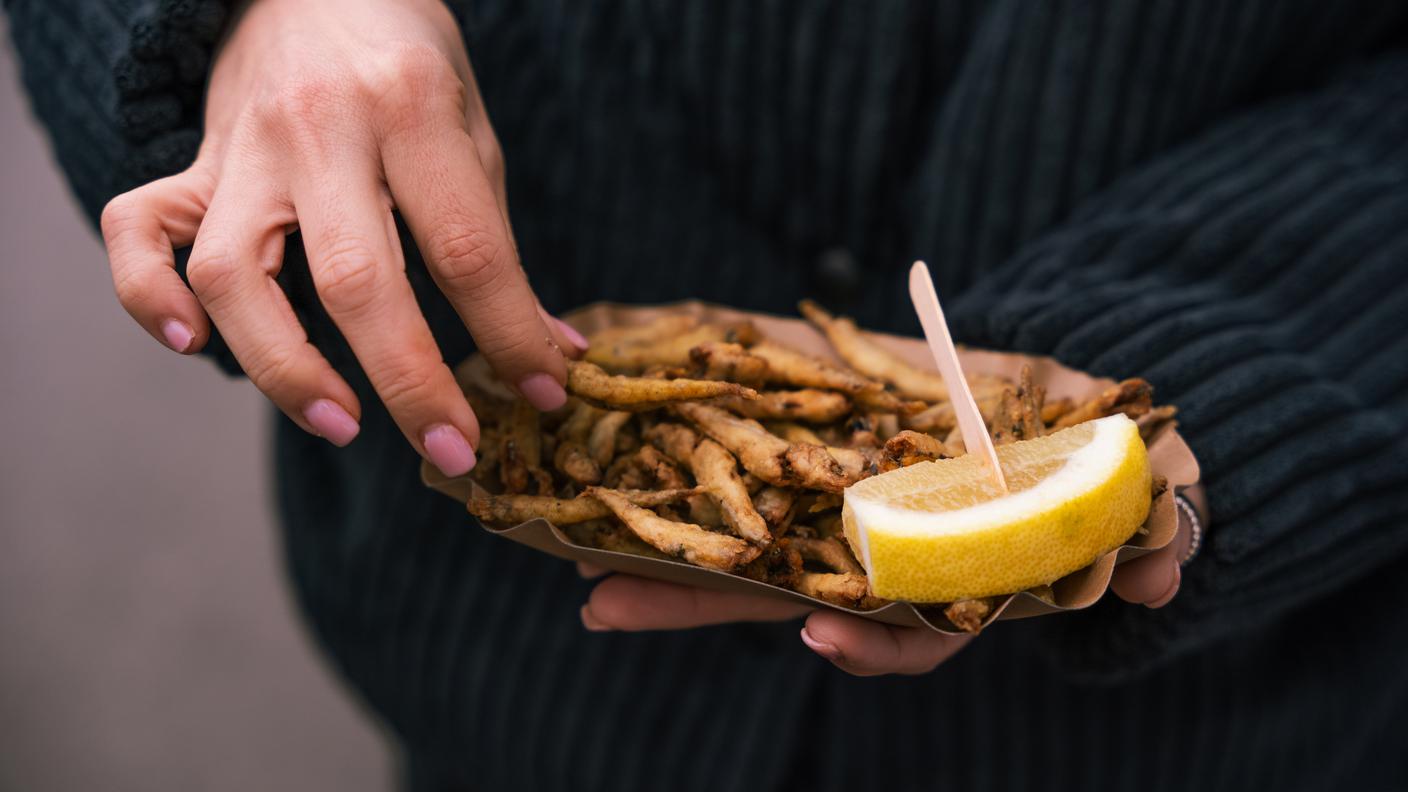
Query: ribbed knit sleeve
<point x="1258" y="276"/>
<point x="118" y="84"/>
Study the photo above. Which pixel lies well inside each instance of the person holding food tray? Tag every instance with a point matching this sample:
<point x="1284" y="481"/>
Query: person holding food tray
<point x="1200" y="196"/>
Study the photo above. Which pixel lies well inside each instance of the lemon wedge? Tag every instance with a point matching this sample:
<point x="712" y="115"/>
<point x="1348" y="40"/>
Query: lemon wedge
<point x="941" y="531"/>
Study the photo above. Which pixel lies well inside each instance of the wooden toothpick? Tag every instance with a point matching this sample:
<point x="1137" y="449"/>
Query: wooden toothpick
<point x="970" y="419"/>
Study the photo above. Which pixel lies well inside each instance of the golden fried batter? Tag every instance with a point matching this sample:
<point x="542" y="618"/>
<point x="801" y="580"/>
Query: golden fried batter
<point x="766" y="455"/>
<point x="793" y="432"/>
<point x="1052" y="411"/>
<point x="789" y="367"/>
<point x="676" y="440"/>
<point x="910" y="447"/>
<point x="1018" y="414"/>
<point x="572" y="459"/>
<point x="591" y="384"/>
<point x="521" y="452"/>
<point x="968" y="615"/>
<point x="686" y="541"/>
<point x="639" y="354"/>
<point x="779" y="565"/>
<point x="1152" y="422"/>
<point x="809" y="405"/>
<point x="830" y="553"/>
<point x="872" y="360"/>
<point x="1133" y="397"/>
<point x="608" y="535"/>
<point x="578" y="425"/>
<point x="602" y="441"/>
<point x="717" y="472"/>
<point x="717" y="360"/>
<point x="775" y="504"/>
<point x="662" y="470"/>
<point x="667" y="326"/>
<point x="515" y="509"/>
<point x="847" y="591"/>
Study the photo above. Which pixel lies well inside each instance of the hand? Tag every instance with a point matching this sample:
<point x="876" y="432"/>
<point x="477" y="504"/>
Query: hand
<point x="324" y="116"/>
<point x="855" y="645"/>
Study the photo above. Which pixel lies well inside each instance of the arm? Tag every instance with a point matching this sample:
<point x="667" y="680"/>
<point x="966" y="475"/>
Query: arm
<point x="318" y="116"/>
<point x="1256" y="276"/>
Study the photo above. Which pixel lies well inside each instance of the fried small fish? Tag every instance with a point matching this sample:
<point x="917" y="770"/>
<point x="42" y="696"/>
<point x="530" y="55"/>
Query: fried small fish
<point x="808" y="405"/>
<point x="1133" y="397"/>
<point x="515" y="509"/>
<point x="590" y="383"/>
<point x="686" y="541"/>
<point x="766" y="455"/>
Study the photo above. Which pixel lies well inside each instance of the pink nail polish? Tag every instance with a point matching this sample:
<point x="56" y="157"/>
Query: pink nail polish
<point x="578" y="340"/>
<point x="590" y="621"/>
<point x="822" y="648"/>
<point x="448" y="450"/>
<point x="331" y="422"/>
<point x="177" y="333"/>
<point x="543" y="392"/>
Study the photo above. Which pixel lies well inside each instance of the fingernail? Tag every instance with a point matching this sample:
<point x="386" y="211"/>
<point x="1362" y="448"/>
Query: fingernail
<point x="178" y="334"/>
<point x="822" y="648"/>
<point x="590" y="622"/>
<point x="1168" y="596"/>
<point x="543" y="392"/>
<point x="448" y="450"/>
<point x="578" y="340"/>
<point x="331" y="422"/>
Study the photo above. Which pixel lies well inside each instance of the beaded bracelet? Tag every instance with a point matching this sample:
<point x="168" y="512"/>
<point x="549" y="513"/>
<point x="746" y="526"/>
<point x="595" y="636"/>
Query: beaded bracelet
<point x="1196" y="542"/>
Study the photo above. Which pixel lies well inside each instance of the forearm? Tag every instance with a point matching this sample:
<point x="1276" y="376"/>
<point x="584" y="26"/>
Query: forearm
<point x="1255" y="277"/>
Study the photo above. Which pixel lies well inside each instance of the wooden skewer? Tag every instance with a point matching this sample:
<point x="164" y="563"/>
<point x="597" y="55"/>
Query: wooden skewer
<point x="970" y="420"/>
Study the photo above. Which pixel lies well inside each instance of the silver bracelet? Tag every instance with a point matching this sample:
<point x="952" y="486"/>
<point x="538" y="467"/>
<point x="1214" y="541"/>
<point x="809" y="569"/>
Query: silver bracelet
<point x="1196" y="542"/>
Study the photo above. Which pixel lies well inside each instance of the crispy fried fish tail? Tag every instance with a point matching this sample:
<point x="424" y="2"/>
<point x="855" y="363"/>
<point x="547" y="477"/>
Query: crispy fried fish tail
<point x="681" y="540"/>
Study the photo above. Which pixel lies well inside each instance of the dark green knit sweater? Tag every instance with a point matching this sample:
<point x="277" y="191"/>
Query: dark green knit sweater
<point x="1212" y="195"/>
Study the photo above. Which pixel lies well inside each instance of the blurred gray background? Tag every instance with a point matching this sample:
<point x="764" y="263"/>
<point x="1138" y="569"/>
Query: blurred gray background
<point x="147" y="638"/>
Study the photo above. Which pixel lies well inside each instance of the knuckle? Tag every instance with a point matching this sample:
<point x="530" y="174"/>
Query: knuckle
<point x="407" y="388"/>
<point x="133" y="290"/>
<point x="418" y="64"/>
<point x="271" y="368"/>
<point x="510" y="340"/>
<point x="212" y="271"/>
<point x="411" y="84"/>
<point x="121" y="213"/>
<point x="469" y="258"/>
<point x="303" y="102"/>
<point x="347" y="278"/>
